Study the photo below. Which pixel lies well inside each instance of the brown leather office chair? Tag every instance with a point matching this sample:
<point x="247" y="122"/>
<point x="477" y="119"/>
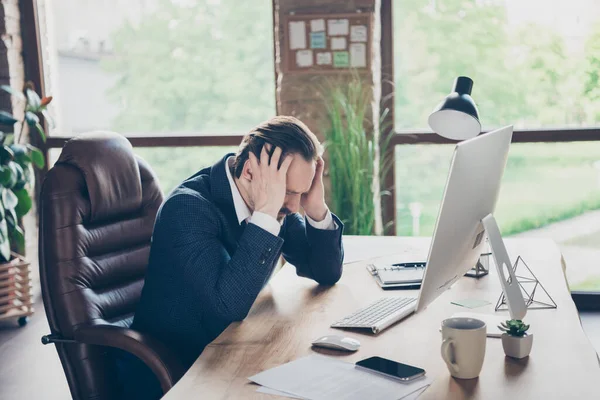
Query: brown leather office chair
<point x="97" y="210"/>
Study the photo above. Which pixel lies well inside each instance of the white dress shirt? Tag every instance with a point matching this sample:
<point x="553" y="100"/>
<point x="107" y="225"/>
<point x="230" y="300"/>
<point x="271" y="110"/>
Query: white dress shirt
<point x="263" y="220"/>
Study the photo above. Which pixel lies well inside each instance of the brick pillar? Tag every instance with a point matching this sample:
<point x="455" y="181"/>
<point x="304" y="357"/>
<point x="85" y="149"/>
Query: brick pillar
<point x="298" y="94"/>
<point x="12" y="73"/>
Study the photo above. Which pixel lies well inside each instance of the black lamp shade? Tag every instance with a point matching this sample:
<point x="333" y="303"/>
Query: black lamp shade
<point x="457" y="117"/>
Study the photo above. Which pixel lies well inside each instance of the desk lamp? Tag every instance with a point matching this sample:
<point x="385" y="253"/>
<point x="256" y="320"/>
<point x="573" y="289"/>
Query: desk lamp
<point x="457" y="117"/>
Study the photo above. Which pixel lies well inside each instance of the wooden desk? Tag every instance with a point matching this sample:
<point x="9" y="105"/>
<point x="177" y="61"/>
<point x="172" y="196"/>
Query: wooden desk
<point x="291" y="311"/>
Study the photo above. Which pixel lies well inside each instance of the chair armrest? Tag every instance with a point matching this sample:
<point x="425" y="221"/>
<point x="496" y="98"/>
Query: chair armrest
<point x="163" y="363"/>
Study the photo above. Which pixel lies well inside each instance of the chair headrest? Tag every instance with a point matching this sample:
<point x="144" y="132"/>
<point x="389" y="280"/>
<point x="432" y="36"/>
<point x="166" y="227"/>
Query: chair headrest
<point x="110" y="170"/>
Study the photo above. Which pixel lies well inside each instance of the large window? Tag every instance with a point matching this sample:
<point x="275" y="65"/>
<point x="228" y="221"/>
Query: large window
<point x="164" y="68"/>
<point x="548" y="190"/>
<point x="535" y="63"/>
<point x="158" y="67"/>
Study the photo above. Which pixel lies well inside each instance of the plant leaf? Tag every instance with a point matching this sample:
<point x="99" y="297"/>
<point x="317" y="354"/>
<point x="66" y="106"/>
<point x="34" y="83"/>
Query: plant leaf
<point x="37" y="157"/>
<point x="20" y="151"/>
<point x="45" y="101"/>
<point x="18" y="239"/>
<point x="21" y="178"/>
<point x="12" y="91"/>
<point x="12" y="167"/>
<point x="4" y="242"/>
<point x="24" y="202"/>
<point x="11" y="218"/>
<point x="9" y="199"/>
<point x="41" y="132"/>
<point x="29" y="174"/>
<point x="5" y="175"/>
<point x="33" y="99"/>
<point x="31" y="118"/>
<point x="7" y="118"/>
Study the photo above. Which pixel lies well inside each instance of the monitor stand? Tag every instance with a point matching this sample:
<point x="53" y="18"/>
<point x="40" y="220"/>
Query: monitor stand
<point x="514" y="298"/>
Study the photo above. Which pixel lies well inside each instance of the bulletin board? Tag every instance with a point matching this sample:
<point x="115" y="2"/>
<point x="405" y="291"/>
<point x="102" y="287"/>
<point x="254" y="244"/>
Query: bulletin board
<point x="328" y="43"/>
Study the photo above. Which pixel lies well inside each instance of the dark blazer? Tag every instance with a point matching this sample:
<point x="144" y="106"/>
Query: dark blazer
<point x="206" y="270"/>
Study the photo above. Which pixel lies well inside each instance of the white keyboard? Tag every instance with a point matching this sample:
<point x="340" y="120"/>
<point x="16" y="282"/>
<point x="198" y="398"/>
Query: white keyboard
<point x="379" y="315"/>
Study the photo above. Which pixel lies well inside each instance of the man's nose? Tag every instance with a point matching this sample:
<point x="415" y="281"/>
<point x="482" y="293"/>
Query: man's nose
<point x="293" y="204"/>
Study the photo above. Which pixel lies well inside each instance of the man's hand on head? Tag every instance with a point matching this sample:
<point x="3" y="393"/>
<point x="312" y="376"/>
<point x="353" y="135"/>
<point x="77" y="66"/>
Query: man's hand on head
<point x="313" y="201"/>
<point x="268" y="184"/>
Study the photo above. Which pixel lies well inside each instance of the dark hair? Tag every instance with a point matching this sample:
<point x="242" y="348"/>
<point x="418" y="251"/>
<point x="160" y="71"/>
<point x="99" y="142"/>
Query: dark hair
<point x="288" y="133"/>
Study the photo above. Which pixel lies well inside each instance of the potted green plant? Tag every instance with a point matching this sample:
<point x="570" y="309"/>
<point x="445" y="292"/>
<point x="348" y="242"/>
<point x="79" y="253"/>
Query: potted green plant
<point x="358" y="162"/>
<point x="515" y="339"/>
<point x="17" y="177"/>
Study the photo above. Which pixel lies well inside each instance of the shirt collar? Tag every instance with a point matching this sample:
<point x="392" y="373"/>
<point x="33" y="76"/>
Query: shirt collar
<point x="241" y="209"/>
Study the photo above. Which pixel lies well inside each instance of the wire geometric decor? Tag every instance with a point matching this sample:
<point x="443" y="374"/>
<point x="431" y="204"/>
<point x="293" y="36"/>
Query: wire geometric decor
<point x="530" y="286"/>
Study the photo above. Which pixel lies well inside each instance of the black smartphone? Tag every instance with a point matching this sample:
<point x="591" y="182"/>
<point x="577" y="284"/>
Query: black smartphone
<point x="392" y="369"/>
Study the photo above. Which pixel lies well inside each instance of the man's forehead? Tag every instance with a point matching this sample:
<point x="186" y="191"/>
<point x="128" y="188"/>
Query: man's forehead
<point x="300" y="175"/>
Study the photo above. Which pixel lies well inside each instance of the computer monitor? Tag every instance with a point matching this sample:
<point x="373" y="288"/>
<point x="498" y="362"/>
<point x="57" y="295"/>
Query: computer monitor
<point x="466" y="215"/>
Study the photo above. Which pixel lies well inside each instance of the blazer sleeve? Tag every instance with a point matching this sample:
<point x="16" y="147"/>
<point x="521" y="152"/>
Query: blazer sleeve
<point x="316" y="253"/>
<point x="226" y="285"/>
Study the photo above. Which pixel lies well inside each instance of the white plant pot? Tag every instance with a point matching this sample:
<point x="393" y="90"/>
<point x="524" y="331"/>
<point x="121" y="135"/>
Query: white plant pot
<point x="517" y="347"/>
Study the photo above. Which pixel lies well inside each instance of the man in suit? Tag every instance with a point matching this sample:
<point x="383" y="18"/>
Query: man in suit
<point x="219" y="235"/>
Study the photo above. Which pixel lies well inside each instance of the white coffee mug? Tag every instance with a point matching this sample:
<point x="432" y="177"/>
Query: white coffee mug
<point x="463" y="346"/>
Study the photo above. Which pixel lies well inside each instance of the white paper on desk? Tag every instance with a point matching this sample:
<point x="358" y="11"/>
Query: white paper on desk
<point x="266" y="390"/>
<point x="318" y="377"/>
<point x="297" y="35"/>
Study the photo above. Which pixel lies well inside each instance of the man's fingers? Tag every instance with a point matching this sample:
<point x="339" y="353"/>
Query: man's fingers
<point x="253" y="163"/>
<point x="264" y="157"/>
<point x="320" y="167"/>
<point x="275" y="158"/>
<point x="286" y="163"/>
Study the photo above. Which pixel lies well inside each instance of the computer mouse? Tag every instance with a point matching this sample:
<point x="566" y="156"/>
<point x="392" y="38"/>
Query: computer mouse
<point x="337" y="342"/>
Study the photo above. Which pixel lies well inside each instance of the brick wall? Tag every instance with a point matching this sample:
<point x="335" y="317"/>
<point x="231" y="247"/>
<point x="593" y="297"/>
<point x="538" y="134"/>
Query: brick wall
<point x="11" y="62"/>
<point x="12" y="72"/>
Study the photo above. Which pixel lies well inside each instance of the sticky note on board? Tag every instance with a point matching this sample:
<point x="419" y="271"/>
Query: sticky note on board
<point x="358" y="55"/>
<point x="317" y="25"/>
<point x="337" y="27"/>
<point x="338" y="43"/>
<point x="358" y="33"/>
<point x="297" y="35"/>
<point x="324" y="58"/>
<point x="341" y="59"/>
<point x="317" y="40"/>
<point x="304" y="58"/>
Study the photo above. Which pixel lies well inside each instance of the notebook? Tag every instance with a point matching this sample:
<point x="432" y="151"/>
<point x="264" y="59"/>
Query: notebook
<point x="405" y="275"/>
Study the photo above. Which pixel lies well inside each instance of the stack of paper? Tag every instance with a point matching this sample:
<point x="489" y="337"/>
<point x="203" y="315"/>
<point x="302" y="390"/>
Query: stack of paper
<point x="318" y="377"/>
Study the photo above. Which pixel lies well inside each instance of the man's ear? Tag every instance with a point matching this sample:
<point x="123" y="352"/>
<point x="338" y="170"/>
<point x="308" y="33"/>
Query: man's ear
<point x="247" y="171"/>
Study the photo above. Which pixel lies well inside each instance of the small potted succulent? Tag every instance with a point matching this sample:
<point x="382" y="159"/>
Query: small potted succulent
<point x="515" y="339"/>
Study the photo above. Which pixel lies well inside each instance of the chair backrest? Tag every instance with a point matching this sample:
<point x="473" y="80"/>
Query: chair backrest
<point x="97" y="210"/>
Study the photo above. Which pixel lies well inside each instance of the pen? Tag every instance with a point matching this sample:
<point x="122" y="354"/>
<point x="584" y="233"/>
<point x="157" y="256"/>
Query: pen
<point x="410" y="265"/>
